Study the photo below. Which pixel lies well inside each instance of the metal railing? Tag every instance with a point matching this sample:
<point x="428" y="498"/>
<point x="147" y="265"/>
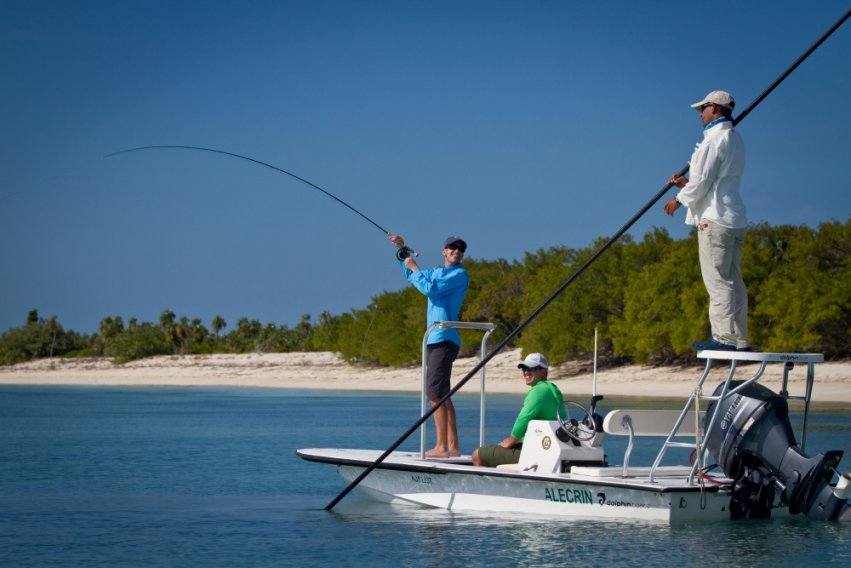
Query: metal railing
<point x="488" y="329"/>
<point x="788" y="360"/>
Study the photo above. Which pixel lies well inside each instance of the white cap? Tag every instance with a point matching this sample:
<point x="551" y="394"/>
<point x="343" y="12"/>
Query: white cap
<point x="720" y="98"/>
<point x="534" y="360"/>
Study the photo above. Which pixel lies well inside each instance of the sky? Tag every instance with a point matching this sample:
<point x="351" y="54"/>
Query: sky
<point x="519" y="126"/>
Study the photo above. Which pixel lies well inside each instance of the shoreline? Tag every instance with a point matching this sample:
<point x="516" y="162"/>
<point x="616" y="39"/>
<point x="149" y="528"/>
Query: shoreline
<point x="326" y="371"/>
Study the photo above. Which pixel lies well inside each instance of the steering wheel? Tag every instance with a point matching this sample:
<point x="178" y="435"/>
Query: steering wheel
<point x="582" y="429"/>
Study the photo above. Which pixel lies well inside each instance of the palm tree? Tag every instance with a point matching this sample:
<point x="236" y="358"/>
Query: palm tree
<point x="184" y="334"/>
<point x="167" y="327"/>
<point x="54" y="329"/>
<point x="218" y="324"/>
<point x="110" y="327"/>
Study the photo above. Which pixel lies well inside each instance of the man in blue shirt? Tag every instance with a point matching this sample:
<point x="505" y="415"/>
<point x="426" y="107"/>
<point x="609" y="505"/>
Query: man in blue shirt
<point x="445" y="287"/>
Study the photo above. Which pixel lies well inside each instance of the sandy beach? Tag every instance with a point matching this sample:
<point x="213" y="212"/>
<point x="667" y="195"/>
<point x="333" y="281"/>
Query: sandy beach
<point x="326" y="371"/>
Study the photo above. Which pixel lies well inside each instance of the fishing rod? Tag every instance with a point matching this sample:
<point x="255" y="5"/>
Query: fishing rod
<point x="614" y="238"/>
<point x="403" y="252"/>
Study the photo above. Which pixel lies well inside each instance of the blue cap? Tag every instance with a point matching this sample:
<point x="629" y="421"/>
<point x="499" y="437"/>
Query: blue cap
<point x="452" y="240"/>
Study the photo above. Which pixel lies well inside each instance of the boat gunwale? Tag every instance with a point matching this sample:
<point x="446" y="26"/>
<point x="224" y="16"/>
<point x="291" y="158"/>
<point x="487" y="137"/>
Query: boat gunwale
<point x="636" y="483"/>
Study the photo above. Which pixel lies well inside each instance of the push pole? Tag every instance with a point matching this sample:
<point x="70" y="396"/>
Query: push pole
<point x="614" y="238"/>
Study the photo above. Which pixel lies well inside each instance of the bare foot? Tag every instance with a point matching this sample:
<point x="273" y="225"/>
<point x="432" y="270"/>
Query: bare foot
<point x="439" y="453"/>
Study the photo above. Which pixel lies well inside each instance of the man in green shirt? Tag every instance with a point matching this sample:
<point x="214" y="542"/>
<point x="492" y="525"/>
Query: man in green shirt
<point x="541" y="403"/>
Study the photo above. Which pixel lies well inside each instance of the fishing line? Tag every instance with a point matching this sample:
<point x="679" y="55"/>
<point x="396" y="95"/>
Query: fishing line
<point x="48" y="182"/>
<point x="614" y="238"/>
<point x="401" y="254"/>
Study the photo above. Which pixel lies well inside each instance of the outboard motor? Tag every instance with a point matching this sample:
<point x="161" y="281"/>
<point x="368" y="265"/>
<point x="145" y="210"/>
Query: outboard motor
<point x="753" y="442"/>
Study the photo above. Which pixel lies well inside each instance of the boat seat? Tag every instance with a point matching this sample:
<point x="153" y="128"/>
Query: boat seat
<point x="634" y="423"/>
<point x="648" y="423"/>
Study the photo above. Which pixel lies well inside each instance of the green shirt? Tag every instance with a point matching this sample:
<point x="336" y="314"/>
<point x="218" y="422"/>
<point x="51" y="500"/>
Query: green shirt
<point x="541" y="403"/>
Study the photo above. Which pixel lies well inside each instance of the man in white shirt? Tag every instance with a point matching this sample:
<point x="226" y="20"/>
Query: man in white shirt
<point x="715" y="207"/>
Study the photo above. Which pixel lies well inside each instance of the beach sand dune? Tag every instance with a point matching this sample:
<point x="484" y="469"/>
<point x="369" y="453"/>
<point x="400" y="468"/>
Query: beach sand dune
<point x="326" y="371"/>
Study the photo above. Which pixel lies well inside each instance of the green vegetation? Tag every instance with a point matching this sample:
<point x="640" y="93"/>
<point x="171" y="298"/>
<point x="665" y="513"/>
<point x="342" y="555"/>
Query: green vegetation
<point x="646" y="299"/>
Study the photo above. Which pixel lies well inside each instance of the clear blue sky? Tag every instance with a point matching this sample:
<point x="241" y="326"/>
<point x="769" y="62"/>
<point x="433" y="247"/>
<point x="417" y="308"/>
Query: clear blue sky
<point x="517" y="125"/>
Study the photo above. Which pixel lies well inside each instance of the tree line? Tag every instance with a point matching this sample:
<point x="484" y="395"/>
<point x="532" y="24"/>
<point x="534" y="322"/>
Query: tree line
<point x="646" y="299"/>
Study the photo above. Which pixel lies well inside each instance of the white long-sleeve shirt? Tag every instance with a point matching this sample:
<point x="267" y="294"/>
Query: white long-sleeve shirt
<point x="715" y="168"/>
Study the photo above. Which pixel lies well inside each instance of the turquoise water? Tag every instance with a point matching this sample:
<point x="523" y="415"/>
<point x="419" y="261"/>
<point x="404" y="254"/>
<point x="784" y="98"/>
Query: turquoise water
<point x="208" y="477"/>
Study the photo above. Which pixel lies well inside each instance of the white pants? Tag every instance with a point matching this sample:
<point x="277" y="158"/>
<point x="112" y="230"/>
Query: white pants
<point x="721" y="265"/>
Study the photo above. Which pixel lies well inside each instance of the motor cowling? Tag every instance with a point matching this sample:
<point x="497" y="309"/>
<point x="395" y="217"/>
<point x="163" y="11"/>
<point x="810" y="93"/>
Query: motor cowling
<point x="753" y="442"/>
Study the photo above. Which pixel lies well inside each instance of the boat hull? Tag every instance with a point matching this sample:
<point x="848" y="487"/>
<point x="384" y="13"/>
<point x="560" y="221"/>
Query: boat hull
<point x="403" y="478"/>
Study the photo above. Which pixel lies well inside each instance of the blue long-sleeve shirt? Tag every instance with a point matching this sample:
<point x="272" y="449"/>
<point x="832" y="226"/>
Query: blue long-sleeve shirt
<point x="445" y="289"/>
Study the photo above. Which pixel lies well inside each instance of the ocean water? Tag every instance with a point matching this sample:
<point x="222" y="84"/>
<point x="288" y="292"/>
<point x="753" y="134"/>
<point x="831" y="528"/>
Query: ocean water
<point x="208" y="477"/>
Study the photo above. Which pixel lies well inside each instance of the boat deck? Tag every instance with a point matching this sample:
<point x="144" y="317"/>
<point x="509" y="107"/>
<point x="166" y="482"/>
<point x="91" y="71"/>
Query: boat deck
<point x="666" y="478"/>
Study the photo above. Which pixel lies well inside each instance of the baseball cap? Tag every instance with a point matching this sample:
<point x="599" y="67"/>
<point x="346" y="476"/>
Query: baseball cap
<point x="454" y="239"/>
<point x="720" y="98"/>
<point x="534" y="360"/>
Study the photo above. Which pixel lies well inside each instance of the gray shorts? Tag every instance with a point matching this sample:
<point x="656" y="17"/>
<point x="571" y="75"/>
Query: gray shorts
<point x="439" y="359"/>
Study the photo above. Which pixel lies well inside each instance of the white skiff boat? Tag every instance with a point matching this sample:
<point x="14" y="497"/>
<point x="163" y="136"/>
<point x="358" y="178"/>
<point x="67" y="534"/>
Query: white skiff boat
<point x="748" y="463"/>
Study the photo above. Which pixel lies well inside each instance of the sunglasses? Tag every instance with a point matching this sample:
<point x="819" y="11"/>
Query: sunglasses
<point x="454" y="246"/>
<point x="530" y="369"/>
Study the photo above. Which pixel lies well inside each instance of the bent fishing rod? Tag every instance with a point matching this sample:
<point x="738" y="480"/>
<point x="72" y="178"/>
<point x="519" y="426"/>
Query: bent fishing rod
<point x="614" y="238"/>
<point x="401" y="254"/>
